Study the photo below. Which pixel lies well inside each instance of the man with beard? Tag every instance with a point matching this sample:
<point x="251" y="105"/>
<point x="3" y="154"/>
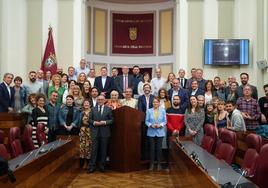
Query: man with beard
<point x="263" y="102"/>
<point x="244" y="77"/>
<point x="33" y="86"/>
<point x="40" y="79"/>
<point x="176" y="108"/>
<point x="137" y="78"/>
<point x="221" y="92"/>
<point x="237" y="122"/>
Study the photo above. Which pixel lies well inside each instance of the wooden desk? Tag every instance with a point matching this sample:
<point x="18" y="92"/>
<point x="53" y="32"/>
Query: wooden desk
<point x="186" y="173"/>
<point x="55" y="168"/>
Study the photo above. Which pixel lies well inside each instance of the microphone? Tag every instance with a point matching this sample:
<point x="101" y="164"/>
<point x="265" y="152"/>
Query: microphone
<point x="69" y="137"/>
<point x="51" y="147"/>
<point x="24" y="160"/>
<point x="244" y="171"/>
<point x="217" y="177"/>
<point x="43" y="143"/>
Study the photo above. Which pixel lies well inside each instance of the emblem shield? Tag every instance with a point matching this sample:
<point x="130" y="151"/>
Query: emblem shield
<point x="133" y="32"/>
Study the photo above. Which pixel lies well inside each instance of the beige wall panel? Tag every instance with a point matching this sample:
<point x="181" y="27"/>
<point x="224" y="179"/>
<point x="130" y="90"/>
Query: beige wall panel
<point x="100" y="31"/>
<point x="226" y="19"/>
<point x="34" y="34"/>
<point x="64" y="51"/>
<point x="97" y="67"/>
<point x="195" y="34"/>
<point x="166" y="69"/>
<point x="166" y="32"/>
<point x="88" y="30"/>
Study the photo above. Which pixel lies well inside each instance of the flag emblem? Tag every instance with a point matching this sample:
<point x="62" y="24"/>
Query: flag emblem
<point x="51" y="60"/>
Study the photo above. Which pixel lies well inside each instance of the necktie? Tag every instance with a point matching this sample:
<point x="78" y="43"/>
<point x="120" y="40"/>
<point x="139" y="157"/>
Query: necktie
<point x="125" y="82"/>
<point x="100" y="109"/>
<point x="181" y="82"/>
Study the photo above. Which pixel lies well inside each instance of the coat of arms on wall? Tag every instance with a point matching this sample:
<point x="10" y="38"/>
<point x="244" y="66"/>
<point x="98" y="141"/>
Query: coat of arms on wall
<point x="133" y="33"/>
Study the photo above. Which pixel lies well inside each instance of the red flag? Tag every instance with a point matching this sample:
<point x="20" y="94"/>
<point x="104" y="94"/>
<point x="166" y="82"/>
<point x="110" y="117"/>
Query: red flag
<point x="49" y="62"/>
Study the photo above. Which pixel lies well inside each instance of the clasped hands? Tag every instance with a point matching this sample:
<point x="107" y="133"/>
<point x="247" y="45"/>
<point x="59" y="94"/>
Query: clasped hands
<point x="68" y="128"/>
<point x="99" y="123"/>
<point x="192" y="132"/>
<point x="156" y="126"/>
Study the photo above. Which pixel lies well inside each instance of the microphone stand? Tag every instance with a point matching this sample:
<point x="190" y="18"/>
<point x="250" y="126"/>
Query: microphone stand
<point x="24" y="159"/>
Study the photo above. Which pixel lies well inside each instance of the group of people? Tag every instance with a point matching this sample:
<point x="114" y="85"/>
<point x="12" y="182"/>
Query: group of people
<point x="79" y="103"/>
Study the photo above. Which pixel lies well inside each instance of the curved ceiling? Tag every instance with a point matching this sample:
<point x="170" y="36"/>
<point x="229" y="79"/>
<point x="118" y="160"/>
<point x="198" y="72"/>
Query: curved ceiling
<point x="135" y="1"/>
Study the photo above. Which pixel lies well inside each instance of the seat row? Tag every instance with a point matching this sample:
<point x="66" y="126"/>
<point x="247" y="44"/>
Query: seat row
<point x="19" y="144"/>
<point x="255" y="162"/>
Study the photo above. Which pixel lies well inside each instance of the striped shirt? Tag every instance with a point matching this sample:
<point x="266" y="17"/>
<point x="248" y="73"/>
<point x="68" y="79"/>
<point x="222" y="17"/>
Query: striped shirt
<point x="39" y="117"/>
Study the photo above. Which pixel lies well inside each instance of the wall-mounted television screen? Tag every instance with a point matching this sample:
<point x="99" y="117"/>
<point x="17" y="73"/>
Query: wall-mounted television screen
<point x="226" y="52"/>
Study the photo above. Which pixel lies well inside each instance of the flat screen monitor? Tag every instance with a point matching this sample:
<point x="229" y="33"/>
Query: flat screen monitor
<point x="226" y="52"/>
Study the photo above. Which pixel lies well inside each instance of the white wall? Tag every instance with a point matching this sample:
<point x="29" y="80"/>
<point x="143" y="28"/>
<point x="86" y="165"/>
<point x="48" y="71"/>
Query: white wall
<point x="24" y="23"/>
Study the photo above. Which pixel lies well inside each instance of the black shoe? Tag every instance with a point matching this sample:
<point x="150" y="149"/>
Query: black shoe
<point x="102" y="169"/>
<point x="91" y="170"/>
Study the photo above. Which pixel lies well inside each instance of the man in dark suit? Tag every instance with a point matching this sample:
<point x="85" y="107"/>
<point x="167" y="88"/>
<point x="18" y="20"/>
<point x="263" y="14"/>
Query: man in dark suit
<point x="7" y="94"/>
<point x="195" y="90"/>
<point x="100" y="120"/>
<point x="177" y="90"/>
<point x="182" y="78"/>
<point x="124" y="81"/>
<point x="104" y="83"/>
<point x="144" y="103"/>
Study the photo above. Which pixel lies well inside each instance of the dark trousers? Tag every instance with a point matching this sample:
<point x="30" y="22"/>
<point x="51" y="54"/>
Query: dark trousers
<point x="99" y="146"/>
<point x="155" y="148"/>
<point x="144" y="142"/>
<point x="52" y="135"/>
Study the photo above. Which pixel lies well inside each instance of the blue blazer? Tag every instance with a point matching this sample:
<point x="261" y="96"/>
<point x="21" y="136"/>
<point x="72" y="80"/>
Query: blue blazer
<point x="142" y="103"/>
<point x="5" y="100"/>
<point x="63" y="116"/>
<point x="183" y="95"/>
<point x="150" y="120"/>
<point x="108" y="87"/>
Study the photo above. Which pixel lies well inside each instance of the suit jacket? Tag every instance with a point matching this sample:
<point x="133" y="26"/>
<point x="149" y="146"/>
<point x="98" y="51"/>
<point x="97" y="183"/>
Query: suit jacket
<point x="108" y="87"/>
<point x="184" y="82"/>
<point x="198" y="92"/>
<point x="161" y="120"/>
<point x="142" y="103"/>
<point x="5" y="100"/>
<point x="183" y="95"/>
<point x="104" y="130"/>
<point x="119" y="84"/>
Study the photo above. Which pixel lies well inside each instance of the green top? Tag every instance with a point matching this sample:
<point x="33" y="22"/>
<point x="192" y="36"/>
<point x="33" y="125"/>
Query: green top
<point x="60" y="93"/>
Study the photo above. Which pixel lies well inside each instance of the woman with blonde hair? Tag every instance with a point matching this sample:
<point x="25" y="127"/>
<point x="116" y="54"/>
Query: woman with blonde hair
<point x="114" y="102"/>
<point x="78" y="98"/>
<point x="56" y="86"/>
<point x="82" y="77"/>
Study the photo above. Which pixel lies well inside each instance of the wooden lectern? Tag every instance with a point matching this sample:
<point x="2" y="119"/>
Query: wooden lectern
<point x="125" y="147"/>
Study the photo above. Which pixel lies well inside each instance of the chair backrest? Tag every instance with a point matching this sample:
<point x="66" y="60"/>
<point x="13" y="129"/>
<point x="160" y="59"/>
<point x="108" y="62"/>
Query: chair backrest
<point x="28" y="144"/>
<point x="254" y="143"/>
<point x="3" y="149"/>
<point x="40" y="134"/>
<point x="15" y="142"/>
<point x="209" y="138"/>
<point x="227" y="147"/>
<point x="261" y="177"/>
